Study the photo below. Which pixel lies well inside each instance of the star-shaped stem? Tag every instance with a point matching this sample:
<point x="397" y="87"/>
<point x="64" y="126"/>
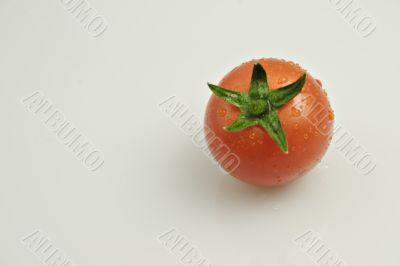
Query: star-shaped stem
<point x="259" y="106"/>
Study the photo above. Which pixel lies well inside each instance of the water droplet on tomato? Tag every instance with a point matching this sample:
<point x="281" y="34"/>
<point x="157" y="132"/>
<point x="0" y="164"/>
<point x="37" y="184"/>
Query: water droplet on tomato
<point x="306" y="136"/>
<point x="252" y="135"/>
<point x="331" y="115"/>
<point x="221" y="112"/>
<point x="319" y="82"/>
<point x="282" y="80"/>
<point x="295" y="112"/>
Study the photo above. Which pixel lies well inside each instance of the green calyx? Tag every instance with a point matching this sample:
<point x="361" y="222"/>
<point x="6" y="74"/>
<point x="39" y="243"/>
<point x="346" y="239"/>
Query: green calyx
<point x="259" y="106"/>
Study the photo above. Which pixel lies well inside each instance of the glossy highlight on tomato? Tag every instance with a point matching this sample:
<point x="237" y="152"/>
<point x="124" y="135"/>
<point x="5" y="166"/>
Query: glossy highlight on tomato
<point x="268" y="158"/>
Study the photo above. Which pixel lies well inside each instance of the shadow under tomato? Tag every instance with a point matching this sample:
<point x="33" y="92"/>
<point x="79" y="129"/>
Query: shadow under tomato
<point x="199" y="175"/>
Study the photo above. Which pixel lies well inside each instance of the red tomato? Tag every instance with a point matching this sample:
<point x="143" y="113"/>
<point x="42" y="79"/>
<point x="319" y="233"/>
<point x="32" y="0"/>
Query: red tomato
<point x="307" y="121"/>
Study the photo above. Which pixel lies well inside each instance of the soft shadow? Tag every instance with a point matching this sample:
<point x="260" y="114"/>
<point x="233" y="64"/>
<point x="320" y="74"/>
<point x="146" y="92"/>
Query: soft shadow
<point x="234" y="192"/>
<point x="200" y="176"/>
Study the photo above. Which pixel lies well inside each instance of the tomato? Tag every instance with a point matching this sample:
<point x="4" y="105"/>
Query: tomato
<point x="266" y="157"/>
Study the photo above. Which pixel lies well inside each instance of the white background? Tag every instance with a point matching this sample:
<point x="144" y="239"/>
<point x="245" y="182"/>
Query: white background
<point x="153" y="177"/>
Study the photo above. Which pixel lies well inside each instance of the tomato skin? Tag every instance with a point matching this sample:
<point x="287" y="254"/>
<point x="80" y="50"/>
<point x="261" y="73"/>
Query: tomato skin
<point x="307" y="121"/>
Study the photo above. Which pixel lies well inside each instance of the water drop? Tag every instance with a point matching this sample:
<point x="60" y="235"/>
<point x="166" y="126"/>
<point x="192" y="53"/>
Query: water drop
<point x="282" y="80"/>
<point x="319" y="82"/>
<point x="221" y="112"/>
<point x="331" y="115"/>
<point x="295" y="112"/>
<point x="306" y="136"/>
<point x="252" y="135"/>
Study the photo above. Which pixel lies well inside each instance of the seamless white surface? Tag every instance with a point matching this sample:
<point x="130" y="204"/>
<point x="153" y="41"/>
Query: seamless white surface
<point x="153" y="177"/>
